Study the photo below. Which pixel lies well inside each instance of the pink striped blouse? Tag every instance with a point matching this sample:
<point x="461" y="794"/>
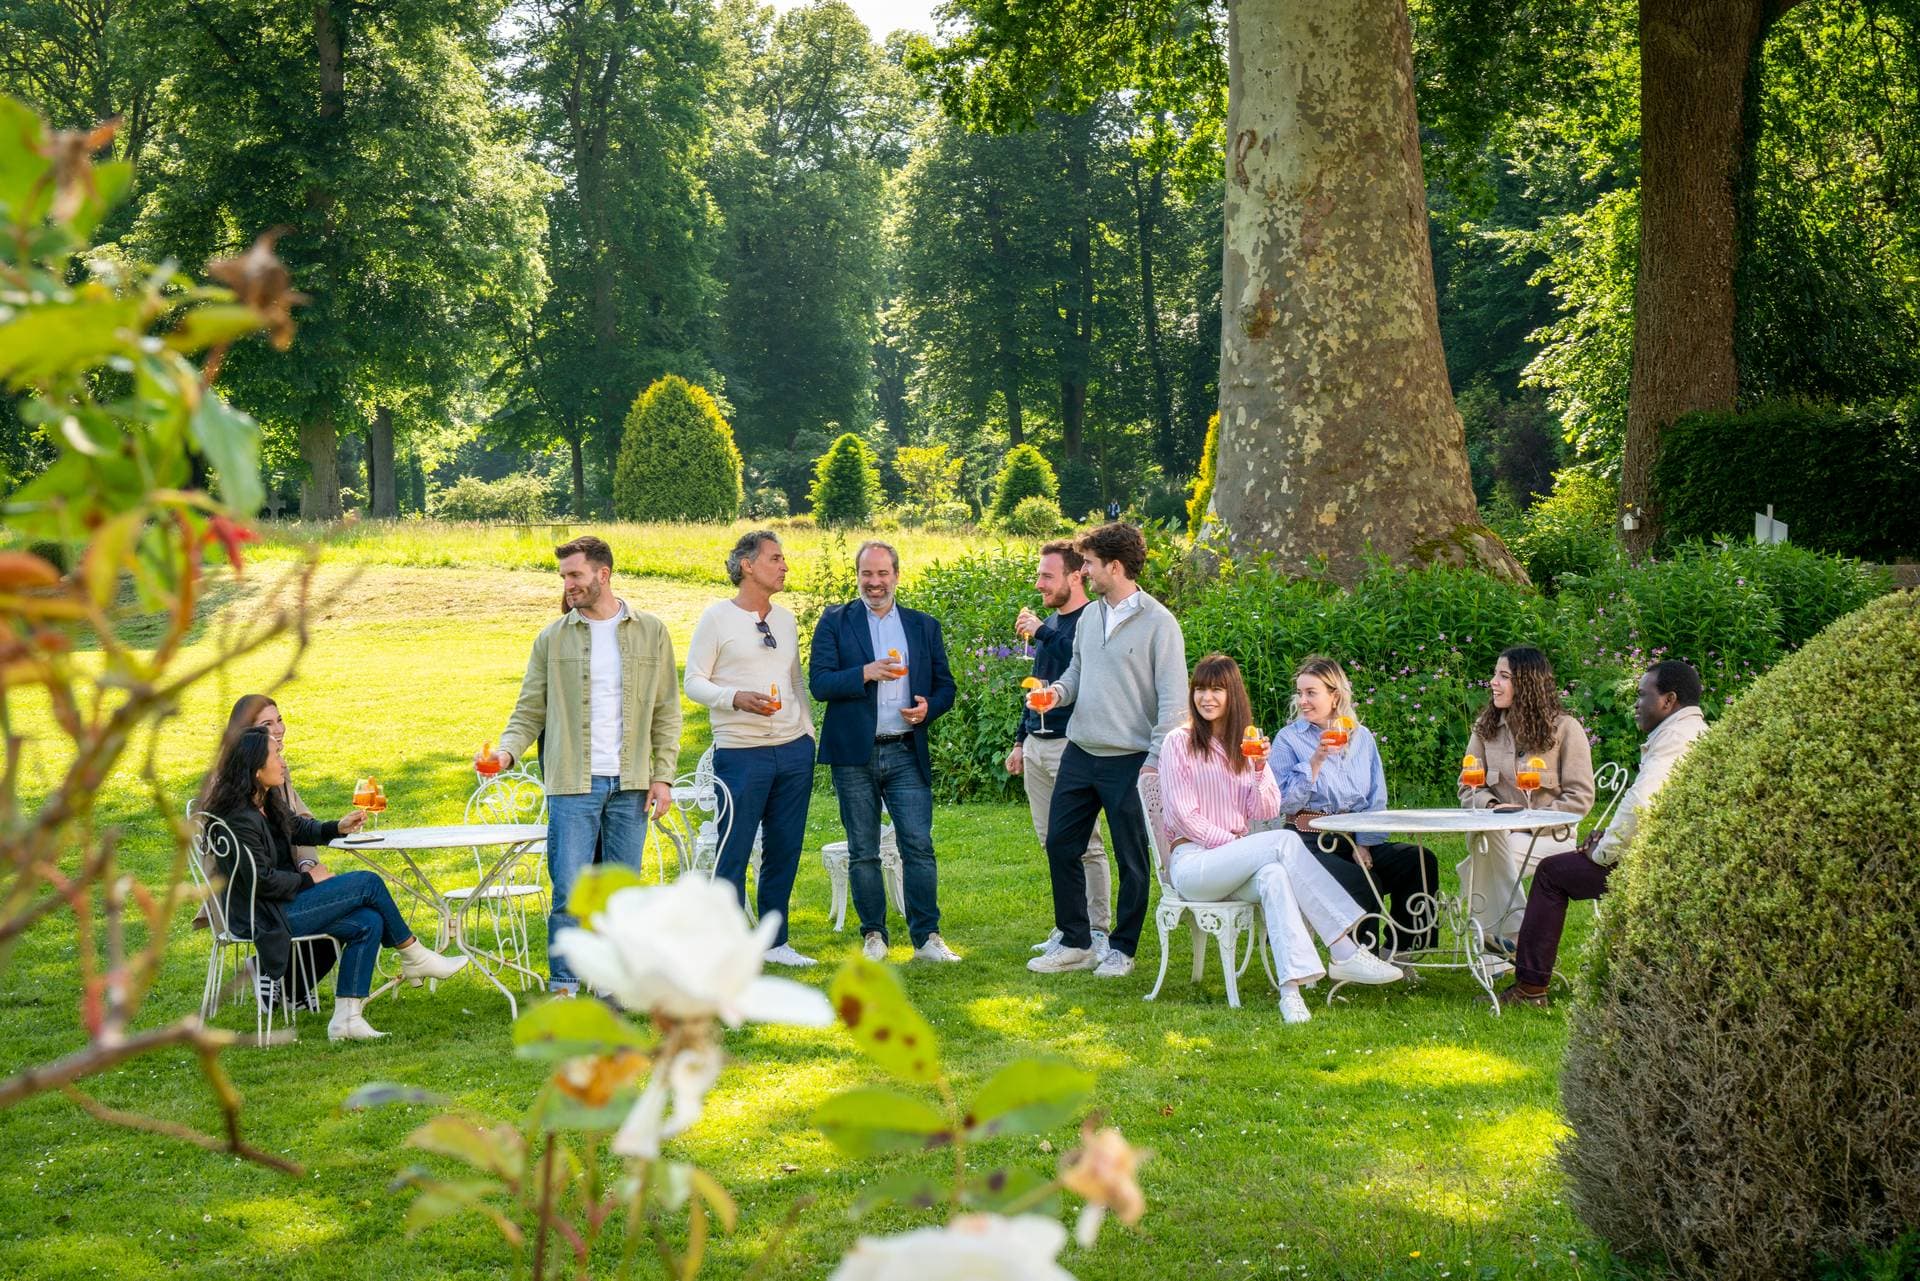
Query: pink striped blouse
<point x="1202" y="800"/>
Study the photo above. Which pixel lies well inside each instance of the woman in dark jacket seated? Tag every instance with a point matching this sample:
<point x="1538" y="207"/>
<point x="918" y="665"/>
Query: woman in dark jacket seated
<point x="271" y="897"/>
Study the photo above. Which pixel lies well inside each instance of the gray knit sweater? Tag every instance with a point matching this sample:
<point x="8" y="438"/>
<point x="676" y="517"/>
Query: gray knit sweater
<point x="1134" y="682"/>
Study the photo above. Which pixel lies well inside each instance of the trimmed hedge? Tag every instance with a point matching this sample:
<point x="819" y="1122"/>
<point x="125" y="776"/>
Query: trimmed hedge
<point x="1200" y="495"/>
<point x="677" y="457"/>
<point x="1025" y="474"/>
<point x="846" y="483"/>
<point x="1742" y="1078"/>
<point x="1845" y="481"/>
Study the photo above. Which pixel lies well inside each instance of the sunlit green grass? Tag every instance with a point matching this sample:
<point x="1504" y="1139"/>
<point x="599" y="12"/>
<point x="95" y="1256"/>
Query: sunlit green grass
<point x="1402" y="1133"/>
<point x="687" y="553"/>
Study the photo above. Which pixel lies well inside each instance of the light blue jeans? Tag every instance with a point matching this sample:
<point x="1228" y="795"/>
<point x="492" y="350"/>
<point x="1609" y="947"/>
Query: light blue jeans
<point x="605" y="825"/>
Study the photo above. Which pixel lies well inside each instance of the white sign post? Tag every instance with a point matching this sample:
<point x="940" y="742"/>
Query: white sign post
<point x="1768" y="530"/>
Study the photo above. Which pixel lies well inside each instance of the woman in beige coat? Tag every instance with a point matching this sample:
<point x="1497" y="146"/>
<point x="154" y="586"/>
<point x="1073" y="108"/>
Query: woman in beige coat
<point x="1523" y="719"/>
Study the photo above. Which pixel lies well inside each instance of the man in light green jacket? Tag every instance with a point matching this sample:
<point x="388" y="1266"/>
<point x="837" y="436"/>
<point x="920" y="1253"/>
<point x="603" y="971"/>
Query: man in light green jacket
<point x="602" y="695"/>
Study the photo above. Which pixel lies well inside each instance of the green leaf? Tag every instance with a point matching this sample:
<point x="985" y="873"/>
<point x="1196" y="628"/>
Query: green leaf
<point x="499" y="1150"/>
<point x="912" y="1188"/>
<point x="874" y="1007"/>
<point x="869" y="1121"/>
<point x="377" y="1094"/>
<point x="1000" y="1190"/>
<point x="22" y="162"/>
<point x="112" y="179"/>
<point x="554" y="1111"/>
<point x="439" y="1199"/>
<point x="231" y="442"/>
<point x="1026" y="1096"/>
<point x="564" y="1029"/>
<point x="214" y="323"/>
<point x="598" y="884"/>
<point x="46" y="342"/>
<point x="717" y="1198"/>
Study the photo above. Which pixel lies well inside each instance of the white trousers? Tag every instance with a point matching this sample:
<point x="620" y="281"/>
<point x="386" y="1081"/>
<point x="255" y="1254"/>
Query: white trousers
<point x="1490" y="877"/>
<point x="1294" y="892"/>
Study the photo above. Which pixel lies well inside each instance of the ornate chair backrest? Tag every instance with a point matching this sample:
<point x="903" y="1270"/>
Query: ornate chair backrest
<point x="214" y="841"/>
<point x="511" y="796"/>
<point x="1609" y="785"/>
<point x="1149" y="788"/>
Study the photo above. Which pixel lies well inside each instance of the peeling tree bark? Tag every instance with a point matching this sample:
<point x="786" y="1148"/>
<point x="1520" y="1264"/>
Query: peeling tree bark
<point x="320" y="450"/>
<point x="1695" y="60"/>
<point x="383" y="501"/>
<point x="1338" y="434"/>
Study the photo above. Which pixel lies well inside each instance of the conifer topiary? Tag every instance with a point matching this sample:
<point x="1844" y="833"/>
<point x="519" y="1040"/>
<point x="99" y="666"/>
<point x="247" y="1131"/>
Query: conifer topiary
<point x="846" y="483"/>
<point x="1200" y="497"/>
<point x="1025" y="474"/>
<point x="1743" y="1074"/>
<point x="677" y="457"/>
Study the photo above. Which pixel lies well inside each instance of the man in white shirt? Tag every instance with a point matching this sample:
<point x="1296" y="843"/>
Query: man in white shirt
<point x="1668" y="713"/>
<point x="743" y="665"/>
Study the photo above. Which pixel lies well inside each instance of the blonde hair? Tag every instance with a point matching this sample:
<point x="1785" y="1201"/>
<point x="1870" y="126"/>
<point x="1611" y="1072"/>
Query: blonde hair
<point x="1334" y="677"/>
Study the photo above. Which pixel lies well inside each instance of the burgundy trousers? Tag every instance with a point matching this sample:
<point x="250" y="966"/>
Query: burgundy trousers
<point x="1558" y="880"/>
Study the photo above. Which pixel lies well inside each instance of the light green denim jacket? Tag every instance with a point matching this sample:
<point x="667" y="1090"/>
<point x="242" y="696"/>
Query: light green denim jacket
<point x="555" y="698"/>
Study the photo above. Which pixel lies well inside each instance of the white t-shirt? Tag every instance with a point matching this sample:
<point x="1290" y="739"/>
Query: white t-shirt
<point x="603" y="684"/>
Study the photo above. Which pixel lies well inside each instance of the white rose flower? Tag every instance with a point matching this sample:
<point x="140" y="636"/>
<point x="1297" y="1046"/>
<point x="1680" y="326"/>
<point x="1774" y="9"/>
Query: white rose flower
<point x="974" y="1247"/>
<point x="684" y="952"/>
<point x="685" y="1078"/>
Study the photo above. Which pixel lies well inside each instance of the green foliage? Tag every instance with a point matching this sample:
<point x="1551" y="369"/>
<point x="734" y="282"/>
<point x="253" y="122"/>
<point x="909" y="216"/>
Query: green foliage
<point x="1810" y="589"/>
<point x="846" y="483"/>
<point x="1200" y="497"/>
<point x="930" y="475"/>
<point x="1036" y="517"/>
<point x="1845" y="481"/>
<point x="1741" y="1071"/>
<point x="1571" y="531"/>
<point x="677" y="459"/>
<point x="1026" y="473"/>
<point x="511" y="498"/>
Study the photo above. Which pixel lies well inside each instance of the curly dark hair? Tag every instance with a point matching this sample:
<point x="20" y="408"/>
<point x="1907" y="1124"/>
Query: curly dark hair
<point x="1118" y="541"/>
<point x="235" y="788"/>
<point x="1536" y="709"/>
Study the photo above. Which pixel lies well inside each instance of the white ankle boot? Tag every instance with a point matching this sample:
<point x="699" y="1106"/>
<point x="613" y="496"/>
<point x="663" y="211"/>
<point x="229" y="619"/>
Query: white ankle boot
<point x="348" y="1024"/>
<point x="418" y="964"/>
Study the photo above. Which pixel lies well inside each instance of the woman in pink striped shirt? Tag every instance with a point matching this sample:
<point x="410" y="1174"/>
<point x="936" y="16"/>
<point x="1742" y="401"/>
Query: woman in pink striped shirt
<point x="1211" y="794"/>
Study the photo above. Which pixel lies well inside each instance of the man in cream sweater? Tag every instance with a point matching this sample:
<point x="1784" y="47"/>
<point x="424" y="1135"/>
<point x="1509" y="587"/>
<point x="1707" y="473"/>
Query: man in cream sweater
<point x="743" y="665"/>
<point x="1668" y="713"/>
<point x="1127" y="682"/>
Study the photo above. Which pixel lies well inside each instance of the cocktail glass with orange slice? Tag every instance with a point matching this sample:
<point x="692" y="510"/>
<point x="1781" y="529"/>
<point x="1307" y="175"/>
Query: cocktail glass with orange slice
<point x="486" y="764"/>
<point x="1472" y="772"/>
<point x="1337" y="735"/>
<point x="1527" y="778"/>
<point x="774" y="694"/>
<point x="1040" y="697"/>
<point x="899" y="664"/>
<point x="1254" y="745"/>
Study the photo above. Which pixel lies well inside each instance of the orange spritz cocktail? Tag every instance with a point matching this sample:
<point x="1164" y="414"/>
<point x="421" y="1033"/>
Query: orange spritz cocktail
<point x="1337" y="735"/>
<point x="1527" y="777"/>
<point x="775" y="695"/>
<point x="899" y="665"/>
<point x="1254" y="744"/>
<point x="363" y="794"/>
<point x="1472" y="772"/>
<point x="486" y="765"/>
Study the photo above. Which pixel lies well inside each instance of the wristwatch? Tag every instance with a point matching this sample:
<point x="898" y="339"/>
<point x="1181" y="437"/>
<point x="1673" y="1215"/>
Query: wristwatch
<point x="306" y="863"/>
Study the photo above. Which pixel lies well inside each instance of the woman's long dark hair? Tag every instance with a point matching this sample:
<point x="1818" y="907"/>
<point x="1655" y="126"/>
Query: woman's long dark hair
<point x="1536" y="711"/>
<point x="1217" y="671"/>
<point x="234" y="786"/>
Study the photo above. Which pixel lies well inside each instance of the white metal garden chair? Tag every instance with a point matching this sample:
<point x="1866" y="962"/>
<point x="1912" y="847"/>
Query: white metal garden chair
<point x="707" y="804"/>
<point x="1222" y="921"/>
<point x="511" y="796"/>
<point x="214" y="842"/>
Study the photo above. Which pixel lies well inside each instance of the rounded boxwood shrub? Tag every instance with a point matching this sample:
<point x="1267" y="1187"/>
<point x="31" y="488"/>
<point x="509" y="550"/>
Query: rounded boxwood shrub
<point x="677" y="457"/>
<point x="846" y="483"/>
<point x="1743" y="1074"/>
<point x="1025" y="474"/>
<point x="1035" y="517"/>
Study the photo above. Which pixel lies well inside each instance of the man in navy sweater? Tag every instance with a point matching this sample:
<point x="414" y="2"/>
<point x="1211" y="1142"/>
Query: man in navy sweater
<point x="881" y="669"/>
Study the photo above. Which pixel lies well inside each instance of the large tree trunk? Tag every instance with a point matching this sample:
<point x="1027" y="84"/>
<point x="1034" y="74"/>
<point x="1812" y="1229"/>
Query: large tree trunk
<point x="383" y="503"/>
<point x="1338" y="435"/>
<point x="1695" y="58"/>
<point x="1004" y="285"/>
<point x="1149" y="196"/>
<point x="320" y="450"/>
<point x="579" y="459"/>
<point x="1076" y="355"/>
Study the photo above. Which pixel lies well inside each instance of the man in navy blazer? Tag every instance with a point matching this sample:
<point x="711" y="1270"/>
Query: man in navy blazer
<point x="881" y="669"/>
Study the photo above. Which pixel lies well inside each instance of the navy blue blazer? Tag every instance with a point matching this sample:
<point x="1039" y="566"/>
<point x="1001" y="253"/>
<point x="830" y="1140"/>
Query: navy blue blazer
<point x="841" y="647"/>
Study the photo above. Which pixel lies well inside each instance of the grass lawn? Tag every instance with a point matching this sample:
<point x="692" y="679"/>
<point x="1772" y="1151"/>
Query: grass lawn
<point x="1400" y="1134"/>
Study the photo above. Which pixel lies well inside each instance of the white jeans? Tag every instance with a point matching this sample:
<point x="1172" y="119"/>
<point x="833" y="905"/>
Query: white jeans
<point x="1274" y="870"/>
<point x="1490" y="877"/>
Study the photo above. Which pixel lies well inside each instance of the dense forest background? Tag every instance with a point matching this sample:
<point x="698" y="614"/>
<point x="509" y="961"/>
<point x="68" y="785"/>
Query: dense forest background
<point x="511" y="218"/>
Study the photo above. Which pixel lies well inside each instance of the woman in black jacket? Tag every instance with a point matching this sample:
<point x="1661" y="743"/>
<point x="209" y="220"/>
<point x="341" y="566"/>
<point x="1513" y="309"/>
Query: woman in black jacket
<point x="271" y="897"/>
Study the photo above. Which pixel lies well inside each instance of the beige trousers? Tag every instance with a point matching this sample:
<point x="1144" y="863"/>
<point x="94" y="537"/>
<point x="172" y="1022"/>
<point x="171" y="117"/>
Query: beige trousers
<point x="1041" y="769"/>
<point x="1490" y="877"/>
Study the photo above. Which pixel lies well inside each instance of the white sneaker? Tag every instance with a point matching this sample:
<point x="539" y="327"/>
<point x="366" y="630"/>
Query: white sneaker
<point x="1063" y="958"/>
<point x="1114" y="965"/>
<point x="874" y="947"/>
<point x="418" y="963"/>
<point x="935" y="949"/>
<point x="1100" y="944"/>
<point x="267" y="993"/>
<point x="785" y="955"/>
<point x="1293" y="1006"/>
<point x="1047" y="944"/>
<point x="1364" y="967"/>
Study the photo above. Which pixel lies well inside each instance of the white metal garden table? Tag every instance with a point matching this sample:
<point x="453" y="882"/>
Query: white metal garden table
<point x="1446" y="916"/>
<point x="512" y="841"/>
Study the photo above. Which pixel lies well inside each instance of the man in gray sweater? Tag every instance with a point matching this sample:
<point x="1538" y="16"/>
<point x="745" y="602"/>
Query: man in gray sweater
<point x="1128" y="685"/>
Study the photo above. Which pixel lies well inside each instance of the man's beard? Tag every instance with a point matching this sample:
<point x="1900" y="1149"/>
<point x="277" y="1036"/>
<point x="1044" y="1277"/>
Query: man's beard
<point x="588" y="597"/>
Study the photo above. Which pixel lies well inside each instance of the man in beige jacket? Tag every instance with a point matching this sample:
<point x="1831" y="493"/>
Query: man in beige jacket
<point x="602" y="695"/>
<point x="1668" y="713"/>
